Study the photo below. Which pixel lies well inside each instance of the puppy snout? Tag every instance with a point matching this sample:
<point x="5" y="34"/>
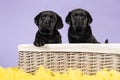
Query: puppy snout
<point x="79" y="21"/>
<point x="45" y="30"/>
<point x="46" y="23"/>
<point x="78" y="18"/>
<point x="47" y="19"/>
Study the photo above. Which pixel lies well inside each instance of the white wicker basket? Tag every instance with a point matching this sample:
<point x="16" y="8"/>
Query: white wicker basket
<point x="58" y="57"/>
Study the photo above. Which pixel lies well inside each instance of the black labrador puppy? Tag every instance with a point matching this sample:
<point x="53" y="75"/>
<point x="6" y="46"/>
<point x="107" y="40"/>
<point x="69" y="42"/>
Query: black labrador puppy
<point x="48" y="23"/>
<point x="80" y="30"/>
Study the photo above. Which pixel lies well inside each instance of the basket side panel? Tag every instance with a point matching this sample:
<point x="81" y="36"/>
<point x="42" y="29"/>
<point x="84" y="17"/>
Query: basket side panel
<point x="88" y="62"/>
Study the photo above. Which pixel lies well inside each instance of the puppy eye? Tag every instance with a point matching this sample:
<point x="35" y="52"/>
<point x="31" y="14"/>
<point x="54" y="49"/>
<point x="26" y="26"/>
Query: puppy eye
<point x="51" y="16"/>
<point x="83" y="16"/>
<point x="53" y="20"/>
<point x="75" y="15"/>
<point x="43" y="16"/>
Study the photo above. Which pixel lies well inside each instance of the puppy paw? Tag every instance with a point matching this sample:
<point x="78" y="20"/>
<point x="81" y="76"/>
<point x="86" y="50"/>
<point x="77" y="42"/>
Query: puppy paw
<point x="39" y="43"/>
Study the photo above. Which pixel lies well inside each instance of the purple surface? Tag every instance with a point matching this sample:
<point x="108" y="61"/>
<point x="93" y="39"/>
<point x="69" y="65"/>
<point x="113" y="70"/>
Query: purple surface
<point x="17" y="22"/>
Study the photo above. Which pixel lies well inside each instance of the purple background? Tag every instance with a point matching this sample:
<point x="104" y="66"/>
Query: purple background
<point x="17" y="22"/>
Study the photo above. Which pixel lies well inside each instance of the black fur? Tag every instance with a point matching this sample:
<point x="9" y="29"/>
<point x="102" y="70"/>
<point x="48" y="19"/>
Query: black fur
<point x="48" y="23"/>
<point x="80" y="30"/>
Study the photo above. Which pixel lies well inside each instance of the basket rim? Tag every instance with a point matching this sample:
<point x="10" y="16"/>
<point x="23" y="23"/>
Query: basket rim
<point x="99" y="48"/>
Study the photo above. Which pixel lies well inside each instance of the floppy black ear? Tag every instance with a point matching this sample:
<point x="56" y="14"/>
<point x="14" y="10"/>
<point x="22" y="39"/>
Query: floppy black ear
<point x="59" y="23"/>
<point x="68" y="18"/>
<point x="89" y="18"/>
<point x="36" y="19"/>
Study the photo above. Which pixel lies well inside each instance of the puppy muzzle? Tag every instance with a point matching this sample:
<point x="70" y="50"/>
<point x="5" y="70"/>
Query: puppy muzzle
<point x="78" y="28"/>
<point x="46" y="32"/>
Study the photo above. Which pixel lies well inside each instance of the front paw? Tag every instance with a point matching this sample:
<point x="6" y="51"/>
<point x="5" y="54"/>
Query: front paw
<point x="39" y="43"/>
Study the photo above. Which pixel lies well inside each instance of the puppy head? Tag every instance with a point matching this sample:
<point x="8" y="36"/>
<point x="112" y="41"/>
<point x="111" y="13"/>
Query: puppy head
<point x="47" y="21"/>
<point x="78" y="19"/>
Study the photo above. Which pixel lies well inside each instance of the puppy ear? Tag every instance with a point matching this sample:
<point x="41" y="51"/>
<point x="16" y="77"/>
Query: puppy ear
<point x="59" y="23"/>
<point x="36" y="19"/>
<point x="89" y="18"/>
<point x="68" y="18"/>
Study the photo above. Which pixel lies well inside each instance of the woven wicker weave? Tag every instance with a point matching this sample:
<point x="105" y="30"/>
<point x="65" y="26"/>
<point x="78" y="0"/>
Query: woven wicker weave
<point x="58" y="57"/>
